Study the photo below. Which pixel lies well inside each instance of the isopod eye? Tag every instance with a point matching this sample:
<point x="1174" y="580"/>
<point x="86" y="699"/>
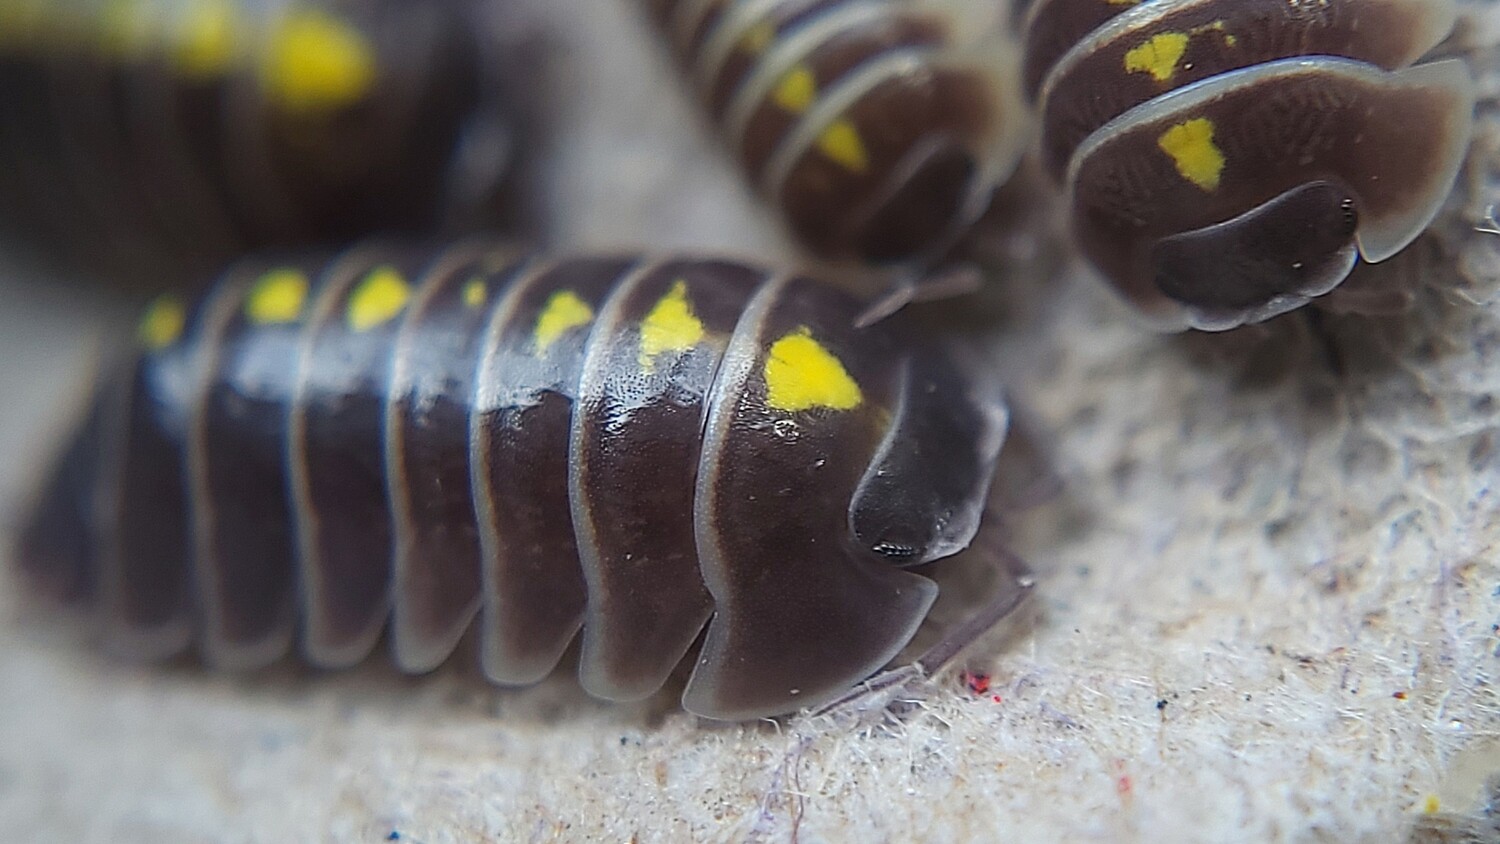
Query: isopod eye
<point x="897" y="552"/>
<point x="1301" y="243"/>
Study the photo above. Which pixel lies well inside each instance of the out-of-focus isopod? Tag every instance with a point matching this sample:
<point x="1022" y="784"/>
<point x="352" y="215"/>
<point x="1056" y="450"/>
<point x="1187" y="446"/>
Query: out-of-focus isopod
<point x="1229" y="160"/>
<point x="879" y="128"/>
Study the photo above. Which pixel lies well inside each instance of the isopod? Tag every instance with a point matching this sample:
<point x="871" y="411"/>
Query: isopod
<point x="398" y="439"/>
<point x="1229" y="160"/>
<point x="879" y="128"/>
<point x="154" y="139"/>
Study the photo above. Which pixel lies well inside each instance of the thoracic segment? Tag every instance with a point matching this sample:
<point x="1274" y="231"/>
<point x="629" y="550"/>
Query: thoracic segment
<point x="407" y="437"/>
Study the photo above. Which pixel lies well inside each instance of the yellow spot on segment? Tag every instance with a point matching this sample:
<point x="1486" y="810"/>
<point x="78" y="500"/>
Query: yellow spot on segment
<point x="1192" y="148"/>
<point x="206" y="42"/>
<point x="671" y="326"/>
<point x="563" y="312"/>
<point x="841" y="142"/>
<point x="796" y="90"/>
<point x="1158" y="55"/>
<point x="758" y="38"/>
<point x="474" y="293"/>
<point x="277" y="297"/>
<point x="315" y="61"/>
<point x="162" y="323"/>
<point x="801" y="375"/>
<point x="378" y="298"/>
<point x="1431" y="804"/>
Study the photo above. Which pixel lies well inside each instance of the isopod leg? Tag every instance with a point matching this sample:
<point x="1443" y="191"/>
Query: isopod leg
<point x="1018" y="587"/>
<point x="905" y="289"/>
<point x="877" y="693"/>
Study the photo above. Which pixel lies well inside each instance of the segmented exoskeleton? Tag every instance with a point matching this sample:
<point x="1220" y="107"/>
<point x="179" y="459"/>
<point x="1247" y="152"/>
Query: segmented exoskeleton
<point x="1228" y="160"/>
<point x="879" y="128"/>
<point x="161" y="138"/>
<point x="636" y="446"/>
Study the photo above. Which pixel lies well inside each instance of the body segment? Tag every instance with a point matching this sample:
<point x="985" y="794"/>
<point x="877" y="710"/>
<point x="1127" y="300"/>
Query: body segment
<point x="155" y="139"/>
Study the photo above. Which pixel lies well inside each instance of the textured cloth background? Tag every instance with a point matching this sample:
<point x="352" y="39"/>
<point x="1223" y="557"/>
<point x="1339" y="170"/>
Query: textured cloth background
<point x="1267" y="604"/>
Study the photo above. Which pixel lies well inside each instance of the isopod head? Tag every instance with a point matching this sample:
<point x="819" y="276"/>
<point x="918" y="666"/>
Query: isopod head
<point x="841" y="461"/>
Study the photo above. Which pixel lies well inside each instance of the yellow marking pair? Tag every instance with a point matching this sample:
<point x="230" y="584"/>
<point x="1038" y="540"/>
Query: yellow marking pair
<point x="47" y="27"/>
<point x="801" y="374"/>
<point x="310" y="60"/>
<point x="840" y="141"/>
<point x="198" y="33"/>
<point x="670" y="326"/>
<point x="279" y="296"/>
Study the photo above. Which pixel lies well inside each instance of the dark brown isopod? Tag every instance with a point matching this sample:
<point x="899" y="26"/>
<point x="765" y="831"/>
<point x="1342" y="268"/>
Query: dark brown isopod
<point x="1229" y="160"/>
<point x="879" y="128"/>
<point x="399" y="440"/>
